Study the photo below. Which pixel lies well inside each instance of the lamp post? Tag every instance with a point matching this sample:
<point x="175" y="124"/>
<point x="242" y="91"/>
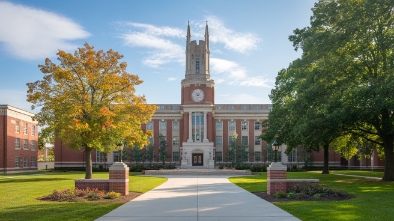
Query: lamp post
<point x="120" y="147"/>
<point x="275" y="148"/>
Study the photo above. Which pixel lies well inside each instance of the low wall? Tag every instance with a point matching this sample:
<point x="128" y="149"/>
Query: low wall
<point x="277" y="182"/>
<point x="118" y="180"/>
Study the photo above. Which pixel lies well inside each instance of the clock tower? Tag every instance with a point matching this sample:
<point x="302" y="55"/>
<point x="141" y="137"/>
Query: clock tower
<point x="197" y="103"/>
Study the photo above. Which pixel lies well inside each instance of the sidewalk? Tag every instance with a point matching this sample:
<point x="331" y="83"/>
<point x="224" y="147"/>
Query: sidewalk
<point x="198" y="198"/>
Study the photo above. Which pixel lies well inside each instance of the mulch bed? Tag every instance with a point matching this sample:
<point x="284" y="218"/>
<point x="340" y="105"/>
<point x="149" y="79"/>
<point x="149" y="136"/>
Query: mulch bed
<point x="272" y="198"/>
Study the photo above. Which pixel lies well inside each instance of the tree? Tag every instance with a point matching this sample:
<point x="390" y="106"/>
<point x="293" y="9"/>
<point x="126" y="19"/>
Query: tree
<point x="150" y="154"/>
<point x="237" y="154"/>
<point x="162" y="149"/>
<point x="88" y="101"/>
<point x="348" y="58"/>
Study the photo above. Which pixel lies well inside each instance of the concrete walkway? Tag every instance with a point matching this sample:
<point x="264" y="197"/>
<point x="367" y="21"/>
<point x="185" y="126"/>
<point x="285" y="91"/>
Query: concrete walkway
<point x="198" y="198"/>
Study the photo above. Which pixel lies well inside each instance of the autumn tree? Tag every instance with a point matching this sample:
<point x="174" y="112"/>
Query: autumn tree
<point x="88" y="101"/>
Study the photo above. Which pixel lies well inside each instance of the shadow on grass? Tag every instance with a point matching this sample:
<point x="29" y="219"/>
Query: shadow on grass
<point x="58" y="211"/>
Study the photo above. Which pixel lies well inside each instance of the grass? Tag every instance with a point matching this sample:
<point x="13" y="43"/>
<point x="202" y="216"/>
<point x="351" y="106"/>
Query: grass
<point x="18" y="193"/>
<point x="374" y="198"/>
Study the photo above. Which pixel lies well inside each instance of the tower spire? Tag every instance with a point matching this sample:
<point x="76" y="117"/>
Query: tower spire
<point x="206" y="35"/>
<point x="188" y="33"/>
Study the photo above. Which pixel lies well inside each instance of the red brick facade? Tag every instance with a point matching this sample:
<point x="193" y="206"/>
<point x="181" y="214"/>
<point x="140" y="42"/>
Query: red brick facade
<point x="18" y="140"/>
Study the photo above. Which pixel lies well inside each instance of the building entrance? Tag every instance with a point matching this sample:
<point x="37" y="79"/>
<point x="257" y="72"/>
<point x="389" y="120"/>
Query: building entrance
<point x="197" y="159"/>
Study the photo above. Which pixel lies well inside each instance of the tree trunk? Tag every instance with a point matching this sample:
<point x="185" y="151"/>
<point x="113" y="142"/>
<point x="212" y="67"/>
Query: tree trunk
<point x="389" y="161"/>
<point x="325" y="166"/>
<point x="88" y="163"/>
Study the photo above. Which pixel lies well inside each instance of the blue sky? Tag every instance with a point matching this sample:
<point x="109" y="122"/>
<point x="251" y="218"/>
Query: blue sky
<point x="248" y="42"/>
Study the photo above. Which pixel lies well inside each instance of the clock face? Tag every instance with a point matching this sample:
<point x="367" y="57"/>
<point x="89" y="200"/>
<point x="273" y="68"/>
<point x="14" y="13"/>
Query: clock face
<point x="198" y="95"/>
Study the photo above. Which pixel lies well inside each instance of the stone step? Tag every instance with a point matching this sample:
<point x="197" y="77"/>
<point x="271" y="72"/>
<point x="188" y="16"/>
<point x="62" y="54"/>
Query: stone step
<point x="193" y="172"/>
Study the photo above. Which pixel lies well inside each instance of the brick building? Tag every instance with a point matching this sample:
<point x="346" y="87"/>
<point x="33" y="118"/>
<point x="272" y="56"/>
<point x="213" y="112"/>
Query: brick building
<point x="197" y="131"/>
<point x="18" y="140"/>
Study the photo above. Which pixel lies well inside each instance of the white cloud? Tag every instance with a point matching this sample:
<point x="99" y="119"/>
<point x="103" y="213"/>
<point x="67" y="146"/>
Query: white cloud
<point x="232" y="40"/>
<point x="230" y="68"/>
<point x="158" y="39"/>
<point x="171" y="79"/>
<point x="31" y="33"/>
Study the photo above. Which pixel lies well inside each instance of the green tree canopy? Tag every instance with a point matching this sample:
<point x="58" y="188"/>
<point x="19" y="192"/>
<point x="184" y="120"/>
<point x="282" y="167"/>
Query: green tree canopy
<point x="88" y="101"/>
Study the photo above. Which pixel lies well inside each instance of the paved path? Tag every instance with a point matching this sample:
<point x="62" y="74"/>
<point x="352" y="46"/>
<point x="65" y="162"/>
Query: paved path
<point x="197" y="198"/>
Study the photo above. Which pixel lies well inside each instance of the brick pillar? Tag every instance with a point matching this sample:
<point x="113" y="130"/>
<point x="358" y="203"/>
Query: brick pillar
<point x="119" y="178"/>
<point x="276" y="178"/>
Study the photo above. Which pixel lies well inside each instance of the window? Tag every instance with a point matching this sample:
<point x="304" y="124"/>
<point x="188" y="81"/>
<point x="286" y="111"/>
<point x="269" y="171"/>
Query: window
<point x="244" y="125"/>
<point x="101" y="156"/>
<point x="257" y="125"/>
<point x="175" y="156"/>
<point x="219" y="156"/>
<point x="292" y="157"/>
<point x="33" y="162"/>
<point x="163" y="140"/>
<point x="25" y="162"/>
<point x="257" y="156"/>
<point x="175" y="141"/>
<point x="245" y="107"/>
<point x="244" y="140"/>
<point x="219" y="125"/>
<point x="197" y="66"/>
<point x="257" y="140"/>
<point x="33" y="130"/>
<point x="175" y="125"/>
<point x="150" y="139"/>
<point x="219" y="141"/>
<point x="149" y="125"/>
<point x="32" y="145"/>
<point x="231" y="141"/>
<point x="231" y="125"/>
<point x="25" y="144"/>
<point x="163" y="125"/>
<point x="17" y="127"/>
<point x="17" y="163"/>
<point x="17" y="143"/>
<point x="25" y="128"/>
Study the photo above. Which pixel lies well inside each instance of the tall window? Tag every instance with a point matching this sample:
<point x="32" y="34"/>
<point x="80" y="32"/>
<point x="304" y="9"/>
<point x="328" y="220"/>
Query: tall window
<point x="101" y="156"/>
<point x="149" y="125"/>
<point x="25" y="162"/>
<point x="33" y="130"/>
<point x="219" y="125"/>
<point x="257" y="140"/>
<point x="219" y="141"/>
<point x="17" y="162"/>
<point x="197" y="66"/>
<point x="32" y="145"/>
<point x="25" y="128"/>
<point x="25" y="146"/>
<point x="292" y="157"/>
<point x="257" y="156"/>
<point x="175" y="141"/>
<point x="33" y="162"/>
<point x="175" y="156"/>
<point x="17" y="143"/>
<point x="17" y="127"/>
<point x="257" y="125"/>
<point x="163" y="125"/>
<point x="244" y="125"/>
<point x="175" y="125"/>
<point x="197" y="126"/>
<point x="244" y="140"/>
<point x="231" y="125"/>
<point x="219" y="156"/>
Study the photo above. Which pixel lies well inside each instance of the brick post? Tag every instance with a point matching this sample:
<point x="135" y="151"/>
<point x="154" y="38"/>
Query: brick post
<point x="119" y="178"/>
<point x="276" y="178"/>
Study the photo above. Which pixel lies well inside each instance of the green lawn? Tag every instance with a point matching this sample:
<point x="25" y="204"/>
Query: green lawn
<point x="18" y="193"/>
<point x="374" y="199"/>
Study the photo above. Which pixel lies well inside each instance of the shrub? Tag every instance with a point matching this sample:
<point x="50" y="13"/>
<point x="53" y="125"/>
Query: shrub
<point x="111" y="195"/>
<point x="280" y="194"/>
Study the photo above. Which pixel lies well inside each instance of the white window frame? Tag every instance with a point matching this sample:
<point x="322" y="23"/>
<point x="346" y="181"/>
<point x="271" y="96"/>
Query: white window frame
<point x="231" y="125"/>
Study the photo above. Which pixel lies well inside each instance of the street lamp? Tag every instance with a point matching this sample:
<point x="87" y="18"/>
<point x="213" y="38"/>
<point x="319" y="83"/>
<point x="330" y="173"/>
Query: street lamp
<point x="275" y="148"/>
<point x="120" y="147"/>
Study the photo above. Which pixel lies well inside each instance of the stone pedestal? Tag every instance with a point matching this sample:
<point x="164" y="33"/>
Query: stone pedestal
<point x="276" y="178"/>
<point x="119" y="178"/>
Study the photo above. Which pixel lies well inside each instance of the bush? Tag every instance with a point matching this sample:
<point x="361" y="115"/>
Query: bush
<point x="280" y="194"/>
<point x="77" y="194"/>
